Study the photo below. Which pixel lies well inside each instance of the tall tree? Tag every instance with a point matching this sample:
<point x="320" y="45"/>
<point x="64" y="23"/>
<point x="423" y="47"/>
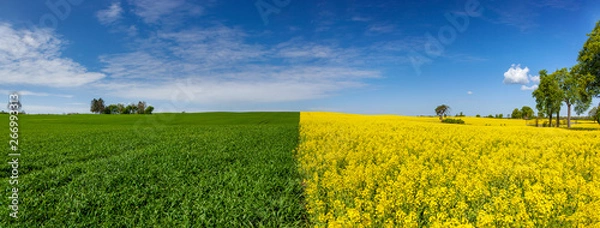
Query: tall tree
<point x="101" y="106"/>
<point x="593" y="114"/>
<point x="548" y="96"/>
<point x="589" y="59"/>
<point x="94" y="106"/>
<point x="442" y="111"/>
<point x="583" y="94"/>
<point x="141" y="107"/>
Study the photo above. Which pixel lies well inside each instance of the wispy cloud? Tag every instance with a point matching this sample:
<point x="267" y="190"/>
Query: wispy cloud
<point x="38" y="94"/>
<point x="381" y="28"/>
<point x="152" y="11"/>
<point x="465" y="58"/>
<point x="218" y="65"/>
<point x="110" y="15"/>
<point x="360" y="19"/>
<point x="33" y="57"/>
<point x="524" y="14"/>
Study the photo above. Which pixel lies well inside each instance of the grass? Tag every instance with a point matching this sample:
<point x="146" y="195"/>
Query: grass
<point x="162" y="170"/>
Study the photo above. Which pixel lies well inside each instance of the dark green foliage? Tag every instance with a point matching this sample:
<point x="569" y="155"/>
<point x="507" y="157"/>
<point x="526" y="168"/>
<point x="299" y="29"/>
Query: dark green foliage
<point x="589" y="59"/>
<point x="161" y="170"/>
<point x="442" y="111"/>
<point x="149" y="110"/>
<point x="516" y="114"/>
<point x="453" y="121"/>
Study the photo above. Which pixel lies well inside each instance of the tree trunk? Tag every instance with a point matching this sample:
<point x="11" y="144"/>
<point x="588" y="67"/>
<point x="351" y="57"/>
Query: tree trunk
<point x="558" y="119"/>
<point x="550" y="121"/>
<point x="568" y="115"/>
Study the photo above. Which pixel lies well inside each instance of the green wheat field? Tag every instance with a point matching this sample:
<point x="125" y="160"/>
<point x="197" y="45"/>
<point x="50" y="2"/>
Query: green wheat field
<point x="161" y="170"/>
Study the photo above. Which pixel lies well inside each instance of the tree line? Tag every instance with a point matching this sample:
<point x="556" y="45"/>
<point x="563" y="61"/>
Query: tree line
<point x="574" y="86"/>
<point x="98" y="107"/>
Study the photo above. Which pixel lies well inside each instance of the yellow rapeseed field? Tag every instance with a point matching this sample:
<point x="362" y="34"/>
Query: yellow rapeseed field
<point x="390" y="171"/>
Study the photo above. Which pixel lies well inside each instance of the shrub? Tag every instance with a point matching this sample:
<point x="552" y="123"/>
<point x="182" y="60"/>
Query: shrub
<point x="453" y="121"/>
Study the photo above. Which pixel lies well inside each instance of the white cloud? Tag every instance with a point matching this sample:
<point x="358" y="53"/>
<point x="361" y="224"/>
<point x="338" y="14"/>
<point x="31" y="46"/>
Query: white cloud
<point x="469" y="92"/>
<point x="110" y="15"/>
<point x="529" y="88"/>
<point x="33" y="57"/>
<point x="535" y="79"/>
<point x="516" y="75"/>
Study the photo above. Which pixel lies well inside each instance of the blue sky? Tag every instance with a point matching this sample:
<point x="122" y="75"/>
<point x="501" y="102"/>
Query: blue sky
<point x="399" y="57"/>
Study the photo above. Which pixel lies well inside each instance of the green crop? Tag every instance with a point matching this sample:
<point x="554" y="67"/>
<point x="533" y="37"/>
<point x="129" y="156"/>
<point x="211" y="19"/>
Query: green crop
<point x="162" y="170"/>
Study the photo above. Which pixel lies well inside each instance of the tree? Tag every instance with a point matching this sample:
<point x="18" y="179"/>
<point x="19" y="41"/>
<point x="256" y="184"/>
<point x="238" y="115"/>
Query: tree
<point x="141" y="107"/>
<point x="132" y="108"/>
<point x="442" y="111"/>
<point x="527" y="113"/>
<point x="121" y="108"/>
<point x="573" y="84"/>
<point x="94" y="106"/>
<point x="589" y="59"/>
<point x="100" y="105"/>
<point x="594" y="114"/>
<point x="127" y="109"/>
<point x="516" y="114"/>
<point x="478" y="116"/>
<point x="149" y="110"/>
<point x="548" y="96"/>
<point x="583" y="94"/>
<point x="97" y="106"/>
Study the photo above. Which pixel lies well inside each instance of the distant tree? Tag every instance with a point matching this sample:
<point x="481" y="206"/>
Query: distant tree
<point x="500" y="116"/>
<point x="589" y="59"/>
<point x="97" y="106"/>
<point x="149" y="110"/>
<point x="516" y="114"/>
<point x="132" y="108"/>
<point x="478" y="116"/>
<point x="101" y="105"/>
<point x="121" y="108"/>
<point x="548" y="96"/>
<point x="111" y="109"/>
<point x="490" y="116"/>
<point x="127" y="109"/>
<point x="94" y="106"/>
<point x="442" y="111"/>
<point x="527" y="113"/>
<point x="141" y="107"/>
